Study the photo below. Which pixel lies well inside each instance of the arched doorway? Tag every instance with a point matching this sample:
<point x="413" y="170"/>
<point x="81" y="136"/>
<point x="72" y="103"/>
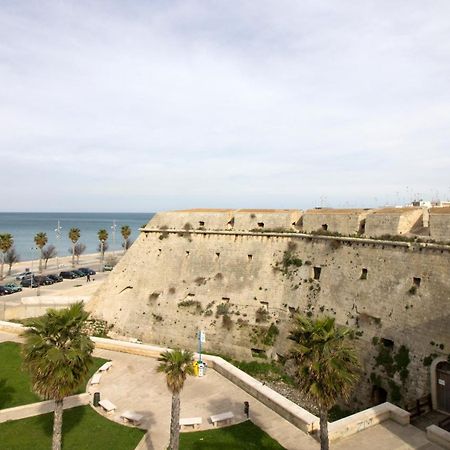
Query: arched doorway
<point x="443" y="386"/>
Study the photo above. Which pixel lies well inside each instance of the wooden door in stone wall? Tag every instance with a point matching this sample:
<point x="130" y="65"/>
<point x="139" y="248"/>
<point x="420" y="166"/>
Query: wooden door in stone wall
<point x="443" y="386"/>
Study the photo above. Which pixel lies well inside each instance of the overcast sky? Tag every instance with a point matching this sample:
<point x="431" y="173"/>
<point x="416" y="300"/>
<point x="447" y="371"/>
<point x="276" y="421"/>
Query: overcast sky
<point x="151" y="105"/>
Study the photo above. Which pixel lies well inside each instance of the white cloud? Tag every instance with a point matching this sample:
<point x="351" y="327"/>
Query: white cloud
<point x="151" y="105"/>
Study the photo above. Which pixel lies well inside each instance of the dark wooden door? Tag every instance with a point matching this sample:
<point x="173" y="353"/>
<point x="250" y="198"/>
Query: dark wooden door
<point x="443" y="386"/>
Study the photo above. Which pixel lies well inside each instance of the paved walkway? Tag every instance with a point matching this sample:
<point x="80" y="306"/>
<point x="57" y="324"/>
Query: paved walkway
<point x="133" y="383"/>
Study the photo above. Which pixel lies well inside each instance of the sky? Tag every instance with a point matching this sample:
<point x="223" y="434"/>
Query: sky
<point x="154" y="105"/>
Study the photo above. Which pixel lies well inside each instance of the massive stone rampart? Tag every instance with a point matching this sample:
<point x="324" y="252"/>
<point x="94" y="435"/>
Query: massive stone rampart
<point x="243" y="288"/>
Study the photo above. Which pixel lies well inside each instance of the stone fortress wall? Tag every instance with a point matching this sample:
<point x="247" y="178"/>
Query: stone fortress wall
<point x="224" y="272"/>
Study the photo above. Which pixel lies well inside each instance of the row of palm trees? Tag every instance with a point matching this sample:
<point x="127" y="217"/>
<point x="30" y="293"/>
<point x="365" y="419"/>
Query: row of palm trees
<point x="58" y="354"/>
<point x="10" y="256"/>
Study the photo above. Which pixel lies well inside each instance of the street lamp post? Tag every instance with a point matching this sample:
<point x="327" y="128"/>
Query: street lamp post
<point x="102" y="246"/>
<point x="58" y="237"/>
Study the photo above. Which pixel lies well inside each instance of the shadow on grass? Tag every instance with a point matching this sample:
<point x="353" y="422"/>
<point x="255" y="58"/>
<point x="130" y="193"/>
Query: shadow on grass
<point x="243" y="436"/>
<point x="6" y="393"/>
<point x="71" y="418"/>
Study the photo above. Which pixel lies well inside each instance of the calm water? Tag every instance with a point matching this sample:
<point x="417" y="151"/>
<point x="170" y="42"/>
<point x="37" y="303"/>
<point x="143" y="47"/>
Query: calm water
<point x="24" y="226"/>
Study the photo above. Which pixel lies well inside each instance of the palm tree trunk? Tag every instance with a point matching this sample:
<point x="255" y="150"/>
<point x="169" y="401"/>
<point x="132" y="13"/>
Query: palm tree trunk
<point x="1" y="268"/>
<point x="324" y="444"/>
<point x="57" y="425"/>
<point x="9" y="268"/>
<point x="175" y="422"/>
<point x="73" y="255"/>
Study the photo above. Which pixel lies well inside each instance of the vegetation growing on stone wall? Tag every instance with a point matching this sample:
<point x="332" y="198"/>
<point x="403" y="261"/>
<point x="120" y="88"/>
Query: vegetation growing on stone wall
<point x="271" y="335"/>
<point x="222" y="309"/>
<point x="227" y="322"/>
<point x="164" y="234"/>
<point x="199" y="281"/>
<point x="289" y="262"/>
<point x="391" y="363"/>
<point x="154" y="296"/>
<point x="189" y="303"/>
<point x="261" y="315"/>
<point x="412" y="290"/>
<point x="186" y="234"/>
<point x="429" y="359"/>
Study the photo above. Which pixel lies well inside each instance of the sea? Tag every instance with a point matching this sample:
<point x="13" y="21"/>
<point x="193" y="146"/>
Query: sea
<point x="24" y="226"/>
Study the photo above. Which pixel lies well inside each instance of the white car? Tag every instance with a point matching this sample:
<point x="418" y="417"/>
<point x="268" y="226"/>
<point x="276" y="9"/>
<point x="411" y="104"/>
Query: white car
<point x="23" y="275"/>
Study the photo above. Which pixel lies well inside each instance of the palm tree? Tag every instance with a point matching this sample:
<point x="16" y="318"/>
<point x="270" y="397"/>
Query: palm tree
<point x="126" y="233"/>
<point x="6" y="242"/>
<point x="177" y="365"/>
<point x="57" y="354"/>
<point x="41" y="240"/>
<point x="326" y="366"/>
<point x="102" y="237"/>
<point x="74" y="235"/>
<point x="11" y="258"/>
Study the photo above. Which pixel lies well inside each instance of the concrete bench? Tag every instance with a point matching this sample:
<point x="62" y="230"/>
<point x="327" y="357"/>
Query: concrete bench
<point x="107" y="405"/>
<point x="225" y="417"/>
<point x="96" y="378"/>
<point x="105" y="366"/>
<point x="132" y="417"/>
<point x="193" y="422"/>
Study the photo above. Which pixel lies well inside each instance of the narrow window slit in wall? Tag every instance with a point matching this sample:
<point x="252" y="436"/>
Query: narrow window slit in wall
<point x="388" y="343"/>
<point x="260" y="224"/>
<point x="191" y="295"/>
<point x="363" y="274"/>
<point x="265" y="305"/>
<point x="226" y="299"/>
<point x="416" y="281"/>
<point x="325" y="226"/>
<point x="217" y="255"/>
<point x="201" y="223"/>
<point x="317" y="272"/>
<point x="187" y="253"/>
<point x="249" y="257"/>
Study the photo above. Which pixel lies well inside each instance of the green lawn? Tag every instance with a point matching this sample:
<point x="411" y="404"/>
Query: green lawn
<point x="243" y="436"/>
<point x="15" y="386"/>
<point x="83" y="429"/>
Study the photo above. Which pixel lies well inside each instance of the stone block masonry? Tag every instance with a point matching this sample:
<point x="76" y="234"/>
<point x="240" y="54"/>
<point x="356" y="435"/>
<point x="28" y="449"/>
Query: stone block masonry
<point x="243" y="289"/>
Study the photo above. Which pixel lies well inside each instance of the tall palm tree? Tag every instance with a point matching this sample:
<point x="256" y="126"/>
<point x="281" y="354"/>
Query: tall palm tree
<point x="326" y="366"/>
<point x="57" y="354"/>
<point x="102" y="237"/>
<point x="6" y="242"/>
<point x="74" y="235"/>
<point x="41" y="240"/>
<point x="126" y="233"/>
<point x="177" y="365"/>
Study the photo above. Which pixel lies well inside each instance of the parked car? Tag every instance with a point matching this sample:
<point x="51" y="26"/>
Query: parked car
<point x="87" y="270"/>
<point x="43" y="280"/>
<point x="55" y="277"/>
<point x="29" y="282"/>
<point x="13" y="287"/>
<point x="23" y="275"/>
<point x="79" y="273"/>
<point x="68" y="275"/>
<point x="5" y="291"/>
<point x="107" y="268"/>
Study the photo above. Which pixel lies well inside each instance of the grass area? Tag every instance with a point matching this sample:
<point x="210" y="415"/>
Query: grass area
<point x="15" y="386"/>
<point x="83" y="429"/>
<point x="268" y="370"/>
<point x="243" y="436"/>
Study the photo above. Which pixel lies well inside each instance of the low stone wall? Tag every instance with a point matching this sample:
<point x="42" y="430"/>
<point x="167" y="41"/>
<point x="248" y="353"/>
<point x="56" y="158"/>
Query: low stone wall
<point x="34" y="306"/>
<point x="366" y="419"/>
<point x="438" y="436"/>
<point x="36" y="409"/>
<point x="293" y="413"/>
